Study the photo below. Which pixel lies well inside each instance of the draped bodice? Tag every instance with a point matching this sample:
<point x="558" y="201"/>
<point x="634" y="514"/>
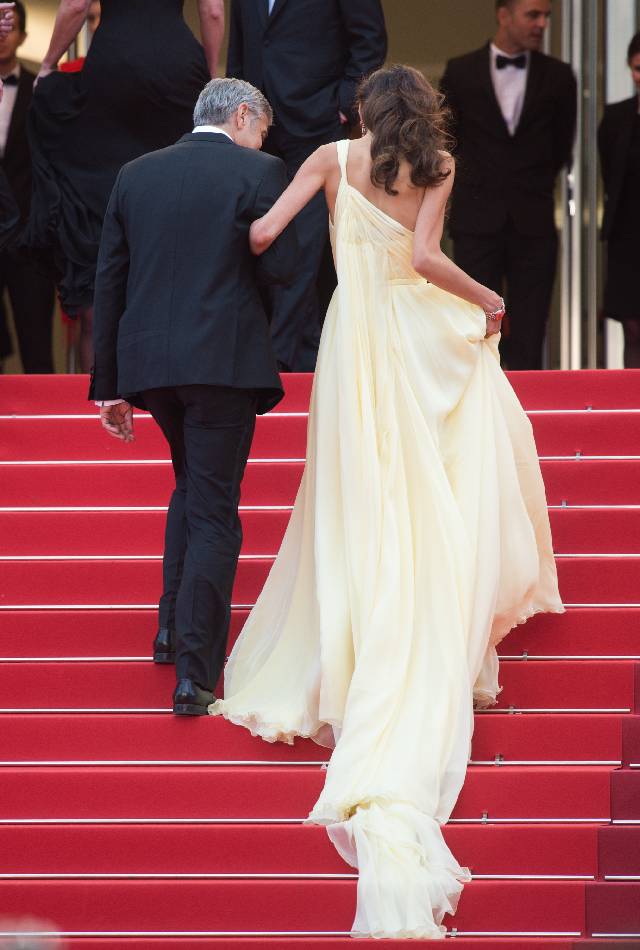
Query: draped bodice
<point x="359" y="223"/>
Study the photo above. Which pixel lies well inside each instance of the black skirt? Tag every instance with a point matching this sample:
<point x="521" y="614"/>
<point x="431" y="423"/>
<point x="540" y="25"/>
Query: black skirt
<point x="135" y="94"/>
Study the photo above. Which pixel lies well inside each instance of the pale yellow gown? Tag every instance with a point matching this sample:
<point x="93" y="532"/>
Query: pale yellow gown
<point x="418" y="539"/>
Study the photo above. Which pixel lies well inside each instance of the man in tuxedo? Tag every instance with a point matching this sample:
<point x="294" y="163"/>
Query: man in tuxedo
<point x="31" y="294"/>
<point x="514" y="112"/>
<point x="307" y="56"/>
<point x="179" y="329"/>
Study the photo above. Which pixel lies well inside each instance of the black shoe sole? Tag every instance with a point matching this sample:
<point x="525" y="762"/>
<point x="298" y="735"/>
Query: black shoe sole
<point x="164" y="657"/>
<point x="190" y="709"/>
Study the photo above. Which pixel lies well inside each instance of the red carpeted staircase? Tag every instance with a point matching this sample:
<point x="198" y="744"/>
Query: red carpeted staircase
<point x="122" y="825"/>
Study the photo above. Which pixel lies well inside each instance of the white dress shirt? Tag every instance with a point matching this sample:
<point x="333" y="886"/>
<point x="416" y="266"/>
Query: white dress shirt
<point x="198" y="128"/>
<point x="211" y="128"/>
<point x="6" y="109"/>
<point x="271" y="6"/>
<point x="510" y="85"/>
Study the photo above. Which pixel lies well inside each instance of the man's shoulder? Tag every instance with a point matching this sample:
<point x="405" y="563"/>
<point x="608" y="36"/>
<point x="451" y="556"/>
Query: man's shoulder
<point x="466" y="60"/>
<point x="27" y="76"/>
<point x="615" y="110"/>
<point x="163" y="159"/>
<point x="560" y="70"/>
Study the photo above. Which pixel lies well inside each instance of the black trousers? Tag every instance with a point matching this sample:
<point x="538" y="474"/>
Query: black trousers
<point x="32" y="299"/>
<point x="209" y="430"/>
<point x="298" y="311"/>
<point x="522" y="268"/>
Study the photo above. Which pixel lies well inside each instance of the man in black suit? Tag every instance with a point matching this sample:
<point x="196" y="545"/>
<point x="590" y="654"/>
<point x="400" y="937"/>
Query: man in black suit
<point x="179" y="329"/>
<point x="31" y="294"/>
<point x="307" y="56"/>
<point x="514" y="112"/>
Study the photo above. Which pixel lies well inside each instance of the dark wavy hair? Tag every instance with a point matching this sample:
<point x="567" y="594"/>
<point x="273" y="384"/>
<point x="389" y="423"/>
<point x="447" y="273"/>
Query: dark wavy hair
<point x="634" y="48"/>
<point x="407" y="120"/>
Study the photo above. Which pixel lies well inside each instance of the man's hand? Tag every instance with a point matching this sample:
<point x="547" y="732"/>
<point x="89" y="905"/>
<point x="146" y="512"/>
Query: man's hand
<point x="118" y="421"/>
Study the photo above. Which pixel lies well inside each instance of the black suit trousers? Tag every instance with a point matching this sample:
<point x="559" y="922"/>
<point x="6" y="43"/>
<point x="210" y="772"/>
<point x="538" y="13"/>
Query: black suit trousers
<point x="297" y="310"/>
<point x="32" y="297"/>
<point x="209" y="430"/>
<point x="522" y="268"/>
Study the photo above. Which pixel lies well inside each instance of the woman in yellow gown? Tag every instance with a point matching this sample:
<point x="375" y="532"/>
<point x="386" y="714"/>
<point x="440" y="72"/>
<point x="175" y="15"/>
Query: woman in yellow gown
<point x="420" y="534"/>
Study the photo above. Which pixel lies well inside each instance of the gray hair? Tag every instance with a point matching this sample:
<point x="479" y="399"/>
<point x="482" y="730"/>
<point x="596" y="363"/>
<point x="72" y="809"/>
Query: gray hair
<point x="221" y="98"/>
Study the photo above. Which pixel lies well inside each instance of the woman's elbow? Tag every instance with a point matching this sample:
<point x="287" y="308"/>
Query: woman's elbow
<point x="423" y="263"/>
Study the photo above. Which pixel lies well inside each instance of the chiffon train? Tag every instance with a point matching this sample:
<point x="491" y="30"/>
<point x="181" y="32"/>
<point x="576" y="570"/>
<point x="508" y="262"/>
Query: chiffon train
<point x="418" y="539"/>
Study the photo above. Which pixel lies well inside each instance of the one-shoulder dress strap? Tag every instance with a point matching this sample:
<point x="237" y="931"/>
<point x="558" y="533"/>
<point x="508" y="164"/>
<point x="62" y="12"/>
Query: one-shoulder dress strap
<point x="342" y="147"/>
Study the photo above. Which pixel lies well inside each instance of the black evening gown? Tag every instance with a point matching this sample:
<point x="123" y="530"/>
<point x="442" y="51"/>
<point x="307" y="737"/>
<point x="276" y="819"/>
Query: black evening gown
<point x="136" y="93"/>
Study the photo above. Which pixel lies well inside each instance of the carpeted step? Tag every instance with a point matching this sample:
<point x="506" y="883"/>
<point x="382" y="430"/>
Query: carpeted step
<point x="58" y="394"/>
<point x="280" y="436"/>
<point x="276" y="905"/>
<point x="287" y="792"/>
<point x="61" y="737"/>
<point x="108" y="582"/>
<point x="619" y="851"/>
<point x="576" y="482"/>
<point x="71" y="633"/>
<point x="277" y="436"/>
<point x="613" y="909"/>
<point x="118" y="532"/>
<point x="625" y="795"/>
<point x="273" y="483"/>
<point x="488" y="850"/>
<point x="314" y="943"/>
<point x="568" y="684"/>
<point x="548" y="389"/>
<point x="631" y="738"/>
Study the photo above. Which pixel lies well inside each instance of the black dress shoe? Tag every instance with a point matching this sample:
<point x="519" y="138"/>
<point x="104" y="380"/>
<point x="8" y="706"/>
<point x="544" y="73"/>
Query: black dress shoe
<point x="190" y="700"/>
<point x="164" y="646"/>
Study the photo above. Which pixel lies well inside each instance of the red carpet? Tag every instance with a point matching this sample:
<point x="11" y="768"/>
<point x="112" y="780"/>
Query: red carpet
<point x="118" y="819"/>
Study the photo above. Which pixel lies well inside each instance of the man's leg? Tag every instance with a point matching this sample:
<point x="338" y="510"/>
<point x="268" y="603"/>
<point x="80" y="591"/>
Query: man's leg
<point x="168" y="412"/>
<point x="218" y="429"/>
<point x="481" y="256"/>
<point x="297" y="318"/>
<point x="32" y="299"/>
<point x="531" y="270"/>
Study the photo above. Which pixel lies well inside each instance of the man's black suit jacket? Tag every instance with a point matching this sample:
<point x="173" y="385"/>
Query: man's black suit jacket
<point x="16" y="161"/>
<point x="176" y="299"/>
<point x="500" y="176"/>
<point x="614" y="139"/>
<point x="307" y="56"/>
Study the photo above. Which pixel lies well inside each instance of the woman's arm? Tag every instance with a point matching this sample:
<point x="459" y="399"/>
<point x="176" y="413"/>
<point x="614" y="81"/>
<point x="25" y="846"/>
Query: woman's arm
<point x="211" y="14"/>
<point x="311" y="177"/>
<point x="69" y="19"/>
<point x="429" y="259"/>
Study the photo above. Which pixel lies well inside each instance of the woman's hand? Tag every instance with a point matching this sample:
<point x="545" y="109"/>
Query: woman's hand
<point x="493" y="326"/>
<point x="43" y="73"/>
<point x="259" y="237"/>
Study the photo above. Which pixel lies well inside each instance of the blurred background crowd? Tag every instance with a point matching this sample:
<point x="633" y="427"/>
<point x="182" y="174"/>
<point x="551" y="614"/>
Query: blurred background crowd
<point x="544" y="100"/>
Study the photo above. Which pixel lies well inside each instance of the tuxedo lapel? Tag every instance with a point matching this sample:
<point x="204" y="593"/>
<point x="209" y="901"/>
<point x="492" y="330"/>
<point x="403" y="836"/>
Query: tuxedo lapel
<point x="263" y="11"/>
<point x="534" y="81"/>
<point x="20" y="107"/>
<point x="277" y="9"/>
<point x="483" y="77"/>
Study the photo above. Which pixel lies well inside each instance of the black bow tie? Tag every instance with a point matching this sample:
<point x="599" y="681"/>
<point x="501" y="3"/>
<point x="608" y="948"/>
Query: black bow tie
<point x="520" y="62"/>
<point x="10" y="80"/>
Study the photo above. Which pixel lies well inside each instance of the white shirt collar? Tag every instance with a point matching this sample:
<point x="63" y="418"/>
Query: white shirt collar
<point x="496" y="51"/>
<point x="212" y="128"/>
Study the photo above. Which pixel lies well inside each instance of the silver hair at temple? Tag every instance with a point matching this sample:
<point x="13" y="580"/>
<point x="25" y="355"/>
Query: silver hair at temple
<point x="221" y="98"/>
